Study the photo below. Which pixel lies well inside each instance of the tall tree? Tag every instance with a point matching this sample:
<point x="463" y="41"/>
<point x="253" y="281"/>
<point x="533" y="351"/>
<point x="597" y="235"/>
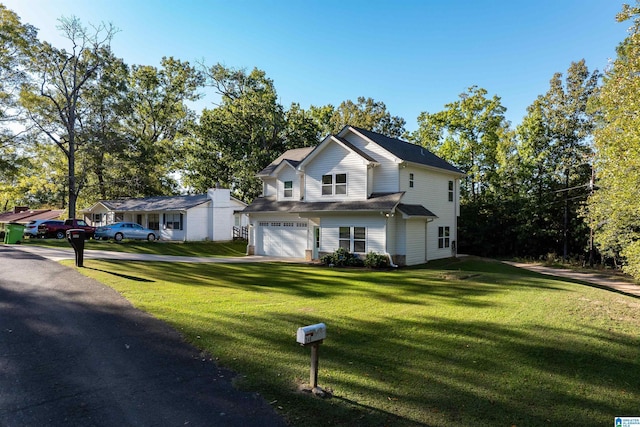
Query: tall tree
<point x="570" y="124"/>
<point x="55" y="99"/>
<point x="16" y="40"/>
<point x="154" y="123"/>
<point x="467" y="133"/>
<point x="244" y="133"/>
<point x="365" y="113"/>
<point x="614" y="208"/>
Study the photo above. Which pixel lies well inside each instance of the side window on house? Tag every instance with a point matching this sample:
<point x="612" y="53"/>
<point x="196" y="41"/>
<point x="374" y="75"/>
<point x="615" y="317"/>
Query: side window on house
<point x="410" y="180"/>
<point x="344" y="238"/>
<point x="173" y="221"/>
<point x="353" y="239"/>
<point x="154" y="221"/>
<point x="327" y="185"/>
<point x="288" y="189"/>
<point x="341" y="183"/>
<point x="443" y="237"/>
<point x="334" y="184"/>
<point x="451" y="191"/>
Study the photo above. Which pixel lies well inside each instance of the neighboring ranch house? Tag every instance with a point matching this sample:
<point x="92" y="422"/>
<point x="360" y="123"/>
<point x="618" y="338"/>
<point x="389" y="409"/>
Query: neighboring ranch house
<point x="211" y="216"/>
<point x="361" y="191"/>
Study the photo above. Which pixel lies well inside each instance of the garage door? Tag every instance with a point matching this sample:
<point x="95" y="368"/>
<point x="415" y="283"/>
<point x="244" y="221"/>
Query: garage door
<point x="282" y="238"/>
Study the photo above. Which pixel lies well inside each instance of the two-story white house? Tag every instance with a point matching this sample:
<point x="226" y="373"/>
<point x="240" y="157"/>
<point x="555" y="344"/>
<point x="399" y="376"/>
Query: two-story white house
<point x="361" y="191"/>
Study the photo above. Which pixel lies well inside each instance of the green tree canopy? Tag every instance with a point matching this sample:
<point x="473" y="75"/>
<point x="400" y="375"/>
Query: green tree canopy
<point x="244" y="133"/>
<point x="467" y="133"/>
<point x="614" y="208"/>
<point x="365" y="113"/>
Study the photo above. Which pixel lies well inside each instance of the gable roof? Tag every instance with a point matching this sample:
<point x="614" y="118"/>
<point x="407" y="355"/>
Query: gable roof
<point x="404" y="150"/>
<point x="293" y="157"/>
<point x="157" y="203"/>
<point x="341" y="141"/>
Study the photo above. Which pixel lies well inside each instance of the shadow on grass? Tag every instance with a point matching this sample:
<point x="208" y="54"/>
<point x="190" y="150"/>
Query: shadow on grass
<point x="124" y="276"/>
<point x="438" y="371"/>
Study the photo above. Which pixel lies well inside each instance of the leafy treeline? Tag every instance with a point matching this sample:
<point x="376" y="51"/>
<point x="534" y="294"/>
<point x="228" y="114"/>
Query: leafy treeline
<point x="78" y="125"/>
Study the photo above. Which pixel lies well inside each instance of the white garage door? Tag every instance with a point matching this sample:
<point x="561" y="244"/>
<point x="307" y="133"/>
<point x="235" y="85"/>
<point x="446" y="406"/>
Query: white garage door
<point x="282" y="238"/>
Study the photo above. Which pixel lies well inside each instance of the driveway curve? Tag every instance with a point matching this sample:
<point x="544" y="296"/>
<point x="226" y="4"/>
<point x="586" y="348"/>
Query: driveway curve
<point x="75" y="352"/>
<point x="593" y="278"/>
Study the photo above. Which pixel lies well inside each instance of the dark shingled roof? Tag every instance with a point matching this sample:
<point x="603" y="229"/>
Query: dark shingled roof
<point x="157" y="203"/>
<point x="377" y="202"/>
<point x="293" y="157"/>
<point x="415" y="210"/>
<point x="407" y="151"/>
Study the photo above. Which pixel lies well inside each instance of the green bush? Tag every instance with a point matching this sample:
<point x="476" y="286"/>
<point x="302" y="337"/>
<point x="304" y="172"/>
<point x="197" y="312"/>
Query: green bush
<point x="376" y="260"/>
<point x="342" y="258"/>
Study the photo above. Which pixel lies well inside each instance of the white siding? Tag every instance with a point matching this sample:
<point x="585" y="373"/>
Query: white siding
<point x="375" y="226"/>
<point x="335" y="159"/>
<point x="269" y="187"/>
<point x="288" y="174"/>
<point x="196" y="222"/>
<point x="385" y="176"/>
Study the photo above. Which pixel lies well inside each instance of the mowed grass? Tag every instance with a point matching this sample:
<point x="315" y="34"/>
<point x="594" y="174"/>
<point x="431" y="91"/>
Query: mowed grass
<point x="200" y="249"/>
<point x="466" y="343"/>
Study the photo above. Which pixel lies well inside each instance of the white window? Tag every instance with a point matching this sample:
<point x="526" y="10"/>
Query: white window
<point x="334" y="184"/>
<point x="327" y="185"/>
<point x="410" y="180"/>
<point x="443" y="237"/>
<point x="353" y="239"/>
<point x="288" y="189"/>
<point x="173" y="221"/>
<point x="451" y="191"/>
<point x="153" y="221"/>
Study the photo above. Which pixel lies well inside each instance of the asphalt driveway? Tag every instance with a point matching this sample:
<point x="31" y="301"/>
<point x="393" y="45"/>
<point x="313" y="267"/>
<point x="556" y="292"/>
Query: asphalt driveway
<point x="73" y="352"/>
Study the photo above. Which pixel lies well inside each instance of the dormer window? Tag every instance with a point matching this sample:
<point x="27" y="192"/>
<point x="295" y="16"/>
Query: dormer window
<point x="334" y="184"/>
<point x="288" y="189"/>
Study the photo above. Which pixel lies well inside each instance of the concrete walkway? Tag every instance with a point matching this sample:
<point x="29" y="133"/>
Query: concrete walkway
<point x="594" y="278"/>
<point x="57" y="254"/>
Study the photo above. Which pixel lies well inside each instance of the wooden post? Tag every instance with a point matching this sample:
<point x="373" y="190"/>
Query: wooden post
<point x="313" y="377"/>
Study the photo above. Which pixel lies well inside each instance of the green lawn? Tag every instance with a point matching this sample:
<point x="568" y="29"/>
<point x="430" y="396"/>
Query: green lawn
<point x="204" y="249"/>
<point x="465" y="343"/>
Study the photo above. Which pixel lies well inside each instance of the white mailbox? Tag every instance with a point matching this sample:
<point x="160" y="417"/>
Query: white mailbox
<point x="312" y="333"/>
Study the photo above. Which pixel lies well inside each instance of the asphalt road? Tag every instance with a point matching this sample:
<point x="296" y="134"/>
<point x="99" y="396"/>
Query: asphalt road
<point x="73" y="352"/>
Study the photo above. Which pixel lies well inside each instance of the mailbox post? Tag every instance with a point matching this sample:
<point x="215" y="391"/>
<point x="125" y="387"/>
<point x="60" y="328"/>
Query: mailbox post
<point x="313" y="335"/>
<point x="76" y="239"/>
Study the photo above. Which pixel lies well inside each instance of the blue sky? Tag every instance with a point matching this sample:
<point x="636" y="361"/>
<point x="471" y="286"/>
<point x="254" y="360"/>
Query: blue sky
<point x="412" y="55"/>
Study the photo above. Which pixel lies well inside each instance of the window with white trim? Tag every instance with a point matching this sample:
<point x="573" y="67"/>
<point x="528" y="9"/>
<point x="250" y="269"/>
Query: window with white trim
<point x="173" y="221"/>
<point x="353" y="239"/>
<point x="443" y="237"/>
<point x="334" y="184"/>
<point x="288" y="189"/>
<point x="410" y="180"/>
<point x="451" y="191"/>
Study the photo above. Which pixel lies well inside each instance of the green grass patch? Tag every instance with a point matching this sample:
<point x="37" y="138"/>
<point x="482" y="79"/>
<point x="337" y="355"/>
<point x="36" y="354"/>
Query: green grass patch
<point x="463" y="342"/>
<point x="198" y="249"/>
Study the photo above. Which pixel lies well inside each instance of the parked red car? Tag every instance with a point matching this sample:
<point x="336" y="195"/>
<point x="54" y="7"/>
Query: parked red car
<point x="59" y="231"/>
